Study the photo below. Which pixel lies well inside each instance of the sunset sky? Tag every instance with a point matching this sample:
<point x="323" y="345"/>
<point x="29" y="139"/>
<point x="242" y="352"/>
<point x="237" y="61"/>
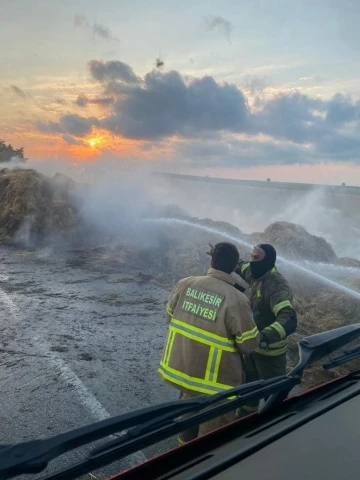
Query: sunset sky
<point x="248" y="89"/>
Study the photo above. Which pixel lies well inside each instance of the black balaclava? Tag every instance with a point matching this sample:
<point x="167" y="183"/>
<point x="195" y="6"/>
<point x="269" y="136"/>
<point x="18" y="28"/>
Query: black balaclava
<point x="258" y="269"/>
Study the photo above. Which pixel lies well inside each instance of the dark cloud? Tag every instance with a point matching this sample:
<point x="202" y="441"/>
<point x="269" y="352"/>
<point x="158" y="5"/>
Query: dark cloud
<point x="18" y="91"/>
<point x="76" y="125"/>
<point x="165" y="104"/>
<point x="97" y="29"/>
<point x="342" y="110"/>
<point x="293" y="116"/>
<point x="71" y="140"/>
<point x="71" y="124"/>
<point x="112" y="70"/>
<point x="83" y="101"/>
<point x="102" y="31"/>
<point x="49" y="127"/>
<point x="216" y="22"/>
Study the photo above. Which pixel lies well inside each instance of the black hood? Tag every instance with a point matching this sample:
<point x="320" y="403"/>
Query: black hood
<point x="258" y="269"/>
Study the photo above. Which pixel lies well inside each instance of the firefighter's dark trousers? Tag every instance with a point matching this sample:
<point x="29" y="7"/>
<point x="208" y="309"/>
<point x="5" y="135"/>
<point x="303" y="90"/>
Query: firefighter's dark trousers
<point x="262" y="367"/>
<point x="204" y="428"/>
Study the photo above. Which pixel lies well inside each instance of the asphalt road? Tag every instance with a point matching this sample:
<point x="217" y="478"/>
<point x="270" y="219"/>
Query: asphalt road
<point x="78" y="342"/>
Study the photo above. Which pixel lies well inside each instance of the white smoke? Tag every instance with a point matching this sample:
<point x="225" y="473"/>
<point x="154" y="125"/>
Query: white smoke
<point x="120" y="196"/>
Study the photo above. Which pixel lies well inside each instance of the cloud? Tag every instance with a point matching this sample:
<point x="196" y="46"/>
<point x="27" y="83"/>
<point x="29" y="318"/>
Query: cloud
<point x="84" y="101"/>
<point x="342" y="110"/>
<point x="60" y="101"/>
<point x="229" y="152"/>
<point x="102" y="31"/>
<point x="76" y="125"/>
<point x="49" y="127"/>
<point x="18" y="91"/>
<point x="97" y="29"/>
<point x="254" y="83"/>
<point x="166" y="105"/>
<point x="291" y="117"/>
<point x="216" y="22"/>
<point x="71" y="123"/>
<point x="71" y="140"/>
<point x="112" y="70"/>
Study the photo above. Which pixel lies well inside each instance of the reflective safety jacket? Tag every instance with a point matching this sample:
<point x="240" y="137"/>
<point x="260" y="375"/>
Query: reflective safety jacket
<point x="211" y="326"/>
<point x="272" y="304"/>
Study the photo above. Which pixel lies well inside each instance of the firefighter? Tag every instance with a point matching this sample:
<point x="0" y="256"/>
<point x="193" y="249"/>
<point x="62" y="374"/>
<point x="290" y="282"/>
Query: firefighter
<point x="210" y="327"/>
<point x="272" y="304"/>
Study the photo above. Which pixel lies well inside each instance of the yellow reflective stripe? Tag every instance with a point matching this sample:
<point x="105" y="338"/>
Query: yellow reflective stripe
<point x="278" y="327"/>
<point x="275" y="345"/>
<point x="191" y="383"/>
<point x="244" y="267"/>
<point x="168" y="310"/>
<point x="169" y="346"/>
<point x="181" y="442"/>
<point x="272" y="352"/>
<point x="217" y="365"/>
<point x="247" y="335"/>
<point x="279" y="306"/>
<point x="273" y="270"/>
<point x="202" y="336"/>
<point x="258" y="293"/>
<point x="213" y="360"/>
<point x="209" y="362"/>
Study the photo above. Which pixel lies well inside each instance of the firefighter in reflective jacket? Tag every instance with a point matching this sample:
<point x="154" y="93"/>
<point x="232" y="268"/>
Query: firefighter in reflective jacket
<point x="272" y="304"/>
<point x="211" y="327"/>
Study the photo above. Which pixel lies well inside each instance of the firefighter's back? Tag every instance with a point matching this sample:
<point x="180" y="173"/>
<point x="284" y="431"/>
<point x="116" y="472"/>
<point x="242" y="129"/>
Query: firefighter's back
<point x="201" y="353"/>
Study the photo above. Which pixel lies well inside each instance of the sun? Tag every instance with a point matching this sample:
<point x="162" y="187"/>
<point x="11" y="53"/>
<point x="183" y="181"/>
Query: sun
<point x="92" y="143"/>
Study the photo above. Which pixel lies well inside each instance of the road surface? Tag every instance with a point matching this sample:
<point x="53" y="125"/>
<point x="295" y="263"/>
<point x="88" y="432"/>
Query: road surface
<point x="80" y="341"/>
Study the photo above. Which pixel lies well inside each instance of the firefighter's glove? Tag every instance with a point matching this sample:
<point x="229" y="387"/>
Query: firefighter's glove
<point x="264" y="342"/>
<point x="211" y="250"/>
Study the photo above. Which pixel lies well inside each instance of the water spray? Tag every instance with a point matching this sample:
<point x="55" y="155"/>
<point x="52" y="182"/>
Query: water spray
<point x="325" y="280"/>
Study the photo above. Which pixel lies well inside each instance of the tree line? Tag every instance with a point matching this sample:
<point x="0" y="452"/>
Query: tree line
<point x="8" y="152"/>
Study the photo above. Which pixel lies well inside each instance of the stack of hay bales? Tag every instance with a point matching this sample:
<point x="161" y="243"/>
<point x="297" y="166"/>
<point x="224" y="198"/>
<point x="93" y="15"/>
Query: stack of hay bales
<point x="28" y="203"/>
<point x="294" y="242"/>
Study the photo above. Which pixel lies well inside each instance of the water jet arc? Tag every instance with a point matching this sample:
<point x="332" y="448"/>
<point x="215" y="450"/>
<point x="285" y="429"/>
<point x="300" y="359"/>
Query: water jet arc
<point x="321" y="278"/>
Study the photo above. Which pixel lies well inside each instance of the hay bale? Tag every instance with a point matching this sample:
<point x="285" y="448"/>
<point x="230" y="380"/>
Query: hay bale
<point x="349" y="262"/>
<point x="220" y="226"/>
<point x="295" y="242"/>
<point x="353" y="283"/>
<point x="28" y="206"/>
<point x="63" y="218"/>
